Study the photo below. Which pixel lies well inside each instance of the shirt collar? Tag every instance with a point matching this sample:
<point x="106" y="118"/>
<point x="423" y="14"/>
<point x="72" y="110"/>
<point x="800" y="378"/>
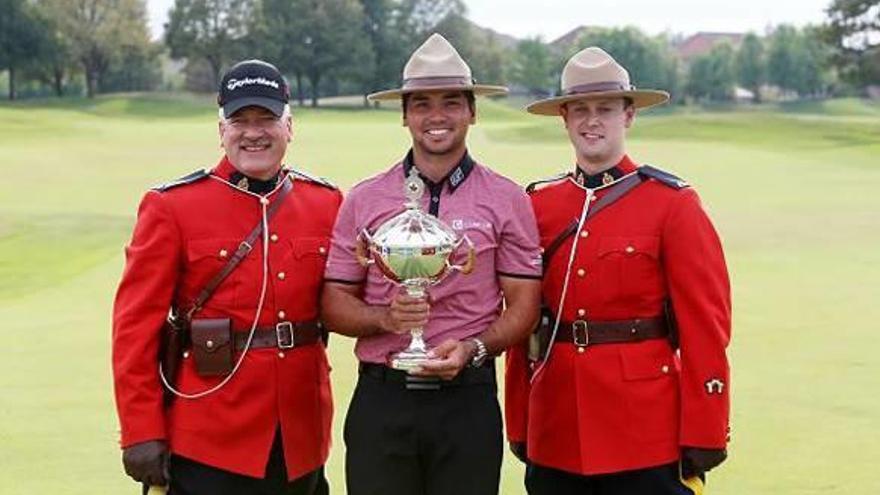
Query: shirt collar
<point x="606" y="177"/>
<point x="455" y="177"/>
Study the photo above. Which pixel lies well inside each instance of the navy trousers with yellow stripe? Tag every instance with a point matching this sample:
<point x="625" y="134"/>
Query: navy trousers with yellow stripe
<point x="660" y="480"/>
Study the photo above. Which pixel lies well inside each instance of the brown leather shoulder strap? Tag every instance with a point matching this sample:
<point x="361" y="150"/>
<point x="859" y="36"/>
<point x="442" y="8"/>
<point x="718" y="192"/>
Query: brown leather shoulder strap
<point x="616" y="192"/>
<point x="243" y="249"/>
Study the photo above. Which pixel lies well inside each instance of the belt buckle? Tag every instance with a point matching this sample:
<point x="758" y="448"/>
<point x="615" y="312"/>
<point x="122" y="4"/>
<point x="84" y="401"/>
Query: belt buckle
<point x="284" y="341"/>
<point x="578" y="328"/>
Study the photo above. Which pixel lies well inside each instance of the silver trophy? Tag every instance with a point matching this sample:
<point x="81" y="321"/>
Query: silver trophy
<point x="413" y="249"/>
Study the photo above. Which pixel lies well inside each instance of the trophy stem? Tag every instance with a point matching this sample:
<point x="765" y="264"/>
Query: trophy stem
<point x="417" y="352"/>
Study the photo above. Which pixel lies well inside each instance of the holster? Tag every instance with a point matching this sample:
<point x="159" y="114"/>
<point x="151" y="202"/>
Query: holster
<point x="539" y="339"/>
<point x="175" y="339"/>
<point x="212" y="346"/>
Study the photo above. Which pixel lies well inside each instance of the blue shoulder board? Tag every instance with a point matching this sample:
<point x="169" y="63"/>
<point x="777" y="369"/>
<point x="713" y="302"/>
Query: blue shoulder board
<point x="186" y="179"/>
<point x="662" y="177"/>
<point x="311" y="178"/>
<point x="534" y="185"/>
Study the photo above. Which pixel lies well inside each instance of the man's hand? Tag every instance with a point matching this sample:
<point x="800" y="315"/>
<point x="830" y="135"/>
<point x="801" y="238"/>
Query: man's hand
<point x="406" y="313"/>
<point x="696" y="461"/>
<point x="147" y="462"/>
<point x="447" y="359"/>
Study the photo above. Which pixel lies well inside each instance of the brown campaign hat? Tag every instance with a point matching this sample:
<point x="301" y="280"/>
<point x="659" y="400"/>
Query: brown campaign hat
<point x="592" y="73"/>
<point x="437" y="66"/>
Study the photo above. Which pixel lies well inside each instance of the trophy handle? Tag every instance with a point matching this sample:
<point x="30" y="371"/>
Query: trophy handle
<point x="361" y="249"/>
<point x="468" y="265"/>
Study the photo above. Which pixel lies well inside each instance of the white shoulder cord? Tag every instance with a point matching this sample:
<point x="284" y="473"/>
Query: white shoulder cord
<point x="587" y="201"/>
<point x="264" y="202"/>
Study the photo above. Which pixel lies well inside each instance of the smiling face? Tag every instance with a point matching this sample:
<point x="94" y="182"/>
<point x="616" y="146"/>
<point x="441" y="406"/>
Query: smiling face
<point x="255" y="140"/>
<point x="438" y="121"/>
<point x="597" y="130"/>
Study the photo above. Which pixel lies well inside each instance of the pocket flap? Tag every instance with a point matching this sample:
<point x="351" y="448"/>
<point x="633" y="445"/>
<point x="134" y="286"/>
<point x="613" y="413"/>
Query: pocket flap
<point x="211" y="335"/>
<point x="219" y="249"/>
<point x="646" y="361"/>
<point x="311" y="246"/>
<point x="630" y="246"/>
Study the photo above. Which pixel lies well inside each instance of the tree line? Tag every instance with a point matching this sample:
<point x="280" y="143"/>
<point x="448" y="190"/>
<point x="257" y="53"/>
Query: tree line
<point x="331" y="47"/>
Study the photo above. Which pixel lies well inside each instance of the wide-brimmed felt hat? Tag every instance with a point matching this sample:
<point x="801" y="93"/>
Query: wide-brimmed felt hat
<point x="592" y="73"/>
<point x="437" y="66"/>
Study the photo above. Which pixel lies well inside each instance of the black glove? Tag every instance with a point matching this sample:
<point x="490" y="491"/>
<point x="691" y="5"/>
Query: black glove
<point x="519" y="450"/>
<point x="147" y="462"/>
<point x="696" y="461"/>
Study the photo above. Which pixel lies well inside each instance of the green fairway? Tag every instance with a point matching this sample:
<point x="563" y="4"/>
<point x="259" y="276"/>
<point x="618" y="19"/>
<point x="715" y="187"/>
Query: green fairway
<point x="792" y="188"/>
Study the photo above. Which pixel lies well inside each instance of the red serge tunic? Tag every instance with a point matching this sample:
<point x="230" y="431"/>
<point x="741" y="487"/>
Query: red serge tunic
<point x="183" y="236"/>
<point x="617" y="407"/>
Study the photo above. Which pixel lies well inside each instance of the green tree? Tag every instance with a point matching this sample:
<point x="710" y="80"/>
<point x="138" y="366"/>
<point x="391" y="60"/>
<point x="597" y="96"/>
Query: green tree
<point x="318" y="39"/>
<point x="751" y="66"/>
<point x="712" y="76"/>
<point x="380" y="19"/>
<point x="20" y="32"/>
<point x="531" y="66"/>
<point x="209" y="30"/>
<point x="852" y="29"/>
<point x="798" y="61"/>
<point x="98" y="31"/>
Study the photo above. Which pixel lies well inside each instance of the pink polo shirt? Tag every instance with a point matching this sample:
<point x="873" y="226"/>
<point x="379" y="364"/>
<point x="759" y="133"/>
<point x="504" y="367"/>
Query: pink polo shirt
<point x="494" y="212"/>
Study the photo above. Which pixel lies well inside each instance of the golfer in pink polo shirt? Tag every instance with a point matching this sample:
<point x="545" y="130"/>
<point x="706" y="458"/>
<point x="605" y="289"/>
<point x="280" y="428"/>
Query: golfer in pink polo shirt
<point x="439" y="432"/>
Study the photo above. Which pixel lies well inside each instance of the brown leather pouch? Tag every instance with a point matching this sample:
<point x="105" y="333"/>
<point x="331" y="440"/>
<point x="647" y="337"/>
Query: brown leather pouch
<point x="212" y="347"/>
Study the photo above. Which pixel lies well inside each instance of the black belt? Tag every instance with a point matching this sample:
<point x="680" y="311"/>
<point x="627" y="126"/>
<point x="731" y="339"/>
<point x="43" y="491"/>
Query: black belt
<point x="284" y="335"/>
<point x="481" y="375"/>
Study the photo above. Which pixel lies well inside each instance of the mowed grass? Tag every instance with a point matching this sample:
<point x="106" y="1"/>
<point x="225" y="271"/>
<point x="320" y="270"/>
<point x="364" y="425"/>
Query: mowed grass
<point x="792" y="190"/>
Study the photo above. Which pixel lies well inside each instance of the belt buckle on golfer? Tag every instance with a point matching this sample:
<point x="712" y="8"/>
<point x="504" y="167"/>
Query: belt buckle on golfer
<point x="580" y="333"/>
<point x="284" y="335"/>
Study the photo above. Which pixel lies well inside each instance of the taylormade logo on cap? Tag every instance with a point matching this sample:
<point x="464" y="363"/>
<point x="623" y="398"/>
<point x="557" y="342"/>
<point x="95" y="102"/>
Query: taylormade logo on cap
<point x="233" y="84"/>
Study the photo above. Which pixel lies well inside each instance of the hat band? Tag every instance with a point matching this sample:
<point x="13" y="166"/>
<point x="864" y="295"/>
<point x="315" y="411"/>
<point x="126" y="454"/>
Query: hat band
<point x="436" y="82"/>
<point x="598" y="87"/>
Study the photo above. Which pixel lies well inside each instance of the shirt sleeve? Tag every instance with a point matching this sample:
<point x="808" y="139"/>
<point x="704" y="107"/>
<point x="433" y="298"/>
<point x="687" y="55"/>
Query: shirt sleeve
<point x="700" y="291"/>
<point x="142" y="302"/>
<point x="342" y="263"/>
<point x="519" y="250"/>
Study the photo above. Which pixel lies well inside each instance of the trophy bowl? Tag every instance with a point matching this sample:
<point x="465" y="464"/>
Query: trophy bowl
<point x="413" y="249"/>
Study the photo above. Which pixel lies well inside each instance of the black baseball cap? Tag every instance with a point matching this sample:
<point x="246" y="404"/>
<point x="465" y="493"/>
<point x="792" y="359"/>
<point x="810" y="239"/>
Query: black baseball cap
<point x="253" y="83"/>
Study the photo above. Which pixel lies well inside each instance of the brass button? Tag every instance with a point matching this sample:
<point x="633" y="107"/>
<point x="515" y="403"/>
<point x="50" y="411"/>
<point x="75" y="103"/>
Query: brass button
<point x="224" y="253"/>
<point x="185" y="354"/>
<point x="581" y="272"/>
<point x="665" y="369"/>
<point x="273" y="237"/>
<point x="580" y="350"/>
<point x="582" y="312"/>
<point x="281" y="275"/>
<point x="282" y="315"/>
<point x="322" y="250"/>
<point x="630" y="249"/>
<point x="281" y="354"/>
<point x="585" y="234"/>
<point x="209" y="344"/>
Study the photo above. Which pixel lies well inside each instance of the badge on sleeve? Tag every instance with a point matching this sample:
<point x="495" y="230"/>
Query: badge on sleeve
<point x="714" y="386"/>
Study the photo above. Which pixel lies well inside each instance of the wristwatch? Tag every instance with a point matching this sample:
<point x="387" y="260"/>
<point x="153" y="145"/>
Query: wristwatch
<point x="480" y="354"/>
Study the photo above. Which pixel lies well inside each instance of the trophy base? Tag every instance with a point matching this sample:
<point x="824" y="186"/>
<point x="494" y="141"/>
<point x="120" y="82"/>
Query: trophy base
<point x="408" y="360"/>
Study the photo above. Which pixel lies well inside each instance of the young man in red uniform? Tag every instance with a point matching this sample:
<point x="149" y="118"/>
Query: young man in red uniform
<point x="262" y="426"/>
<point x="623" y="399"/>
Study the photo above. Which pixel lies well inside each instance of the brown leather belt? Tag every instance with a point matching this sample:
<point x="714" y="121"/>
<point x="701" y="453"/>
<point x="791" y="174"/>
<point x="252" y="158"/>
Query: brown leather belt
<point x="284" y="335"/>
<point x="583" y="333"/>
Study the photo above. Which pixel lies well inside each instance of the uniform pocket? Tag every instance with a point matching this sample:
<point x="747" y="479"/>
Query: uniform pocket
<point x="629" y="268"/>
<point x="205" y="258"/>
<point x="650" y="384"/>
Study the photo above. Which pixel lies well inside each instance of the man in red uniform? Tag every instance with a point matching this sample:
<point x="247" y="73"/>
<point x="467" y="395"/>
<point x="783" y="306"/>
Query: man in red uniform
<point x="623" y="399"/>
<point x="263" y="424"/>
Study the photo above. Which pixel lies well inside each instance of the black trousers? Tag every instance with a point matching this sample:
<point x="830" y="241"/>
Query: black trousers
<point x="189" y="477"/>
<point x="660" y="480"/>
<point x="429" y="441"/>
